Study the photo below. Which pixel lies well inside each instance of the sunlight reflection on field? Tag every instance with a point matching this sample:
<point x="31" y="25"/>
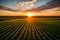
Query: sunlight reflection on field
<point x="30" y="19"/>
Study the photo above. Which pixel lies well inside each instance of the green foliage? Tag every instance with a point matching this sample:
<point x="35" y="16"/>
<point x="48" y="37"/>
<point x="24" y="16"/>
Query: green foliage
<point x="40" y="29"/>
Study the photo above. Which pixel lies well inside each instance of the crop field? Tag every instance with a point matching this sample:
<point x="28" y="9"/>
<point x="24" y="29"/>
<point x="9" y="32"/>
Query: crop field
<point x="30" y="29"/>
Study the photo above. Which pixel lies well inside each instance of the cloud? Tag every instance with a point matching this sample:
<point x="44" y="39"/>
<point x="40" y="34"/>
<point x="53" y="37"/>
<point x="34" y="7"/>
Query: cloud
<point x="25" y="5"/>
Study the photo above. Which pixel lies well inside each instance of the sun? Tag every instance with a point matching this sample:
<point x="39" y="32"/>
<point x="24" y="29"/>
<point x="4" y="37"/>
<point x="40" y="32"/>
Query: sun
<point x="29" y="14"/>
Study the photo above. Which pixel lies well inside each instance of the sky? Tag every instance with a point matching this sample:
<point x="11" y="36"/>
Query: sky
<point x="49" y="12"/>
<point x="12" y="4"/>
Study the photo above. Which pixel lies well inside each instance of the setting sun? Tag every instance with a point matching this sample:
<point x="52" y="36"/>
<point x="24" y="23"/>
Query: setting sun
<point x="29" y="14"/>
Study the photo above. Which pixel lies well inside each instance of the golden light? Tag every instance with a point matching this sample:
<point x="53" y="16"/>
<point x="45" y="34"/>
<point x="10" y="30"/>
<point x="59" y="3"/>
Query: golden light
<point x="29" y="14"/>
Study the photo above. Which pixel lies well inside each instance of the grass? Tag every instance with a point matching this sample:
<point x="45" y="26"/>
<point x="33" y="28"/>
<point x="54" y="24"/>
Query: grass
<point x="39" y="28"/>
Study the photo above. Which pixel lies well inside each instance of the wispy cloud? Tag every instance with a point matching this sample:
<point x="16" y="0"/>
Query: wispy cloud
<point x="25" y="5"/>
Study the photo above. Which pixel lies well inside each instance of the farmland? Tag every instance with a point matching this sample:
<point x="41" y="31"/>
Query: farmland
<point x="30" y="28"/>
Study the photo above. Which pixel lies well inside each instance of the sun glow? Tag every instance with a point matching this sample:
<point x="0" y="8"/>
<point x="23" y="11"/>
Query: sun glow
<point x="29" y="14"/>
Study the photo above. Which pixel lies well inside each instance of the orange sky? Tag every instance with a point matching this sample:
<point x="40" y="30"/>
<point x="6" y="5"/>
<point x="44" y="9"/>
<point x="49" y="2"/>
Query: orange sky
<point x="49" y="12"/>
